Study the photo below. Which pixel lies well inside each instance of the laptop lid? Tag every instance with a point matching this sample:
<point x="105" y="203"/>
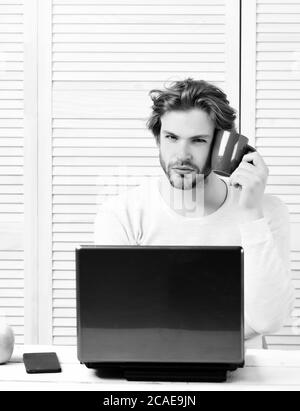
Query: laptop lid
<point x="171" y="304"/>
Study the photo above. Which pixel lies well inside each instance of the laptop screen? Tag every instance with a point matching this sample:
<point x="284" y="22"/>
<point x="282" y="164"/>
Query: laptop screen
<point x="160" y="304"/>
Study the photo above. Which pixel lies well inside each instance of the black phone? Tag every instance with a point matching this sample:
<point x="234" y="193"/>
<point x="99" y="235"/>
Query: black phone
<point x="41" y="362"/>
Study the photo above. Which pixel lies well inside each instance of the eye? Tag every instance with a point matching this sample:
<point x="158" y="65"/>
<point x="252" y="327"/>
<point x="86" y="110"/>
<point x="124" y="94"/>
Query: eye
<point x="199" y="140"/>
<point x="171" y="137"/>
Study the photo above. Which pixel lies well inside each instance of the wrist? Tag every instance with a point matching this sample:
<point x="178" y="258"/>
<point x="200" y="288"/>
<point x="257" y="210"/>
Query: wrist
<point x="252" y="214"/>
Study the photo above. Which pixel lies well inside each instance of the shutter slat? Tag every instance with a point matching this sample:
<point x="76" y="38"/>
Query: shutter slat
<point x="136" y="28"/>
<point x="143" y="9"/>
<point x="162" y="75"/>
<point x="278" y="28"/>
<point x="141" y="57"/>
<point x="278" y="142"/>
<point x="104" y="142"/>
<point x="203" y="19"/>
<point x="63" y="275"/>
<point x="103" y="66"/>
<point x="138" y="2"/>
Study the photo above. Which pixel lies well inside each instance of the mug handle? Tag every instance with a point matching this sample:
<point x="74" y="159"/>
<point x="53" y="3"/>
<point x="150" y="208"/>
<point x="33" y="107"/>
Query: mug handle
<point x="249" y="149"/>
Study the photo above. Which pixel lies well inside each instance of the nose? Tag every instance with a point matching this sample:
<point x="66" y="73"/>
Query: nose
<point x="183" y="153"/>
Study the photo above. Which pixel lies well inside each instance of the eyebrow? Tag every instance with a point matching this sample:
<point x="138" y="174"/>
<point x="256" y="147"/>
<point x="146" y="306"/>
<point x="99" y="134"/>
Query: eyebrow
<point x="173" y="134"/>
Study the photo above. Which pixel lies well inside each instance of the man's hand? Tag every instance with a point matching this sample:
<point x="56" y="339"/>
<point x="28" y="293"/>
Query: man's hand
<point x="251" y="179"/>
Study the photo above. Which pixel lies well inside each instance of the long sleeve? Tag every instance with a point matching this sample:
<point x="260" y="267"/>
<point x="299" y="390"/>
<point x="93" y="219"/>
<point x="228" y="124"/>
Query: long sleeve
<point x="108" y="229"/>
<point x="269" y="292"/>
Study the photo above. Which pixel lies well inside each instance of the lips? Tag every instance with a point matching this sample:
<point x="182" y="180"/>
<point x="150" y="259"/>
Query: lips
<point x="183" y="169"/>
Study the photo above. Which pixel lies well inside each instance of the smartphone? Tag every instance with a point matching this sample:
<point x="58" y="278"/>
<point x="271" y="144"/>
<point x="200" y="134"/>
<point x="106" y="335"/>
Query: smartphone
<point x="41" y="362"/>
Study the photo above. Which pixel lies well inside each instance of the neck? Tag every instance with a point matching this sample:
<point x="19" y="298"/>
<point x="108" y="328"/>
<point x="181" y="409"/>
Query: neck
<point x="205" y="198"/>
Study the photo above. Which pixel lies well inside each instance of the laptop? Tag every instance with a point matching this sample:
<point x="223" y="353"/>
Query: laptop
<point x="161" y="312"/>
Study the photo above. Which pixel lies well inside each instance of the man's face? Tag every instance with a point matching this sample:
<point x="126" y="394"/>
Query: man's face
<point x="185" y="141"/>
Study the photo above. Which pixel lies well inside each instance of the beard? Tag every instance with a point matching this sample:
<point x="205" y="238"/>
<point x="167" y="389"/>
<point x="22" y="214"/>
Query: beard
<point x="186" y="181"/>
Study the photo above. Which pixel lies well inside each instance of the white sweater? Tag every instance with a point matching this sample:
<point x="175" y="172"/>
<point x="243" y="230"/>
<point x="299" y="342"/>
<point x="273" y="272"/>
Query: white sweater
<point x="140" y="216"/>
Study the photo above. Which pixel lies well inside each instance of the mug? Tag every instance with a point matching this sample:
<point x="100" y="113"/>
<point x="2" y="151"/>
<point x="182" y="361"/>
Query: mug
<point x="228" y="150"/>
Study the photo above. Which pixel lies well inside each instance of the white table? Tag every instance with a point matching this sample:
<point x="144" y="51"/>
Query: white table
<point x="264" y="370"/>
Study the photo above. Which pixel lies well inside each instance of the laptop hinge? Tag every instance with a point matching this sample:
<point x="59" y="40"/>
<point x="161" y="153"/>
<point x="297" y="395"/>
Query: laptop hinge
<point x="164" y="371"/>
<point x="167" y="374"/>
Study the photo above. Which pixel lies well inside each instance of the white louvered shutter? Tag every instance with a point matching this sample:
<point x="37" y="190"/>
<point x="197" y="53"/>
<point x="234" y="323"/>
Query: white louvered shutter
<point x="11" y="166"/>
<point x="107" y="55"/>
<point x="278" y="126"/>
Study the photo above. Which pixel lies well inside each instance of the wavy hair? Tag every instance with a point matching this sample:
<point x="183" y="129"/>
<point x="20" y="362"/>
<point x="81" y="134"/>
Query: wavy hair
<point x="189" y="94"/>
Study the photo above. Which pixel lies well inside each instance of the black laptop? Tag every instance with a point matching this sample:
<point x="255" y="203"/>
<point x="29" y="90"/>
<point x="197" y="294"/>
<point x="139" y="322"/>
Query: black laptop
<point x="161" y="312"/>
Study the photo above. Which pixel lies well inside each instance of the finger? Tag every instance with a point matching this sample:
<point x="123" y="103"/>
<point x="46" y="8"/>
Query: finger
<point x="244" y="172"/>
<point x="255" y="157"/>
<point x="258" y="162"/>
<point x="240" y="182"/>
<point x="260" y="173"/>
<point x="247" y="166"/>
<point x="242" y="178"/>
